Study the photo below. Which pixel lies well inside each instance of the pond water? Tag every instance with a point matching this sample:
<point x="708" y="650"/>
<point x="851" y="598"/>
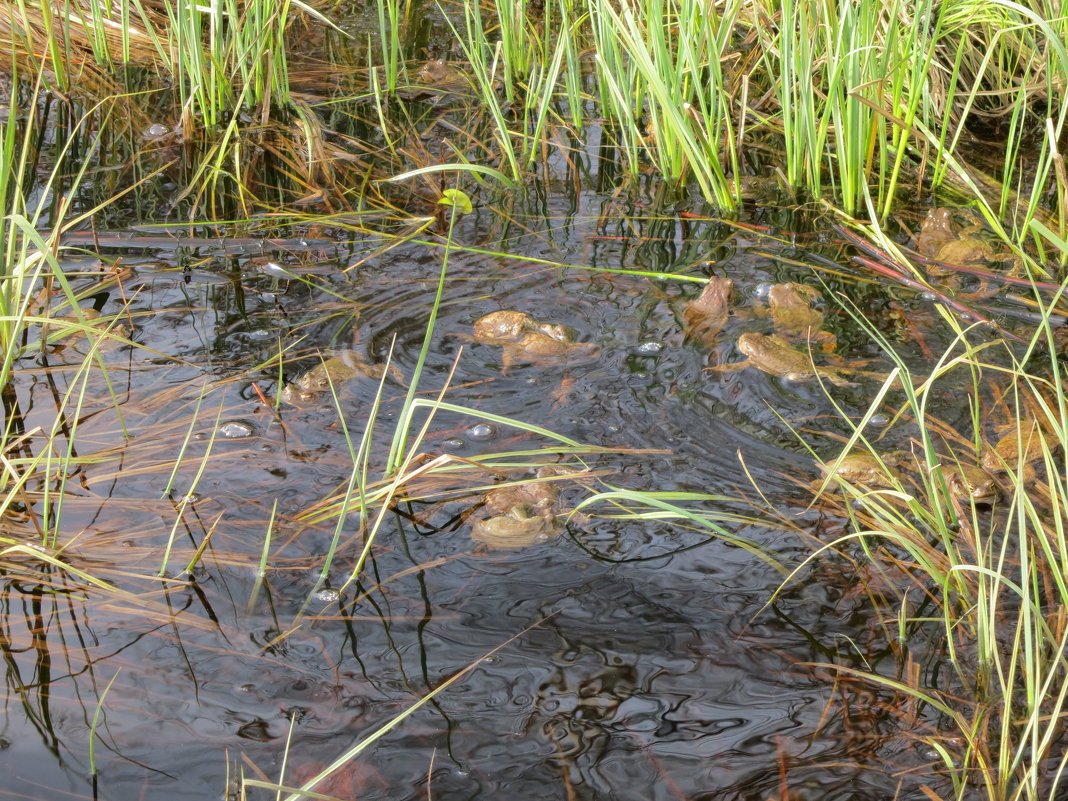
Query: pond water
<point x="653" y="669"/>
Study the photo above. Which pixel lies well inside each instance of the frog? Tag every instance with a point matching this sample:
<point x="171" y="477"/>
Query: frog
<point x="536" y="347"/>
<point x="502" y="325"/>
<point x="519" y="514"/>
<point x="1023" y="446"/>
<point x="67" y="329"/>
<point x="313" y="385"/>
<point x="704" y="316"/>
<point x="774" y="355"/>
<point x="434" y="80"/>
<point x="968" y="482"/>
<point x="541" y="495"/>
<point x="861" y="467"/>
<point x="794" y="317"/>
<point x="526" y="340"/>
<point x="519" y="527"/>
<point x="438" y="74"/>
<point x="936" y="231"/>
<point x="942" y="242"/>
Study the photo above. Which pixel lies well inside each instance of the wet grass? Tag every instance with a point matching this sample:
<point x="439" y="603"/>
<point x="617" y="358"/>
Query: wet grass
<point x="975" y="579"/>
<point x="867" y="105"/>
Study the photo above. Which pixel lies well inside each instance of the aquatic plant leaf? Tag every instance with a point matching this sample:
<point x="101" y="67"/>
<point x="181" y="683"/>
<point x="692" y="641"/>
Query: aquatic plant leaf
<point x="456" y="199"/>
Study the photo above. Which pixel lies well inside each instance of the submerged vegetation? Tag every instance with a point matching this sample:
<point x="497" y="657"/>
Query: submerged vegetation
<point x="220" y="130"/>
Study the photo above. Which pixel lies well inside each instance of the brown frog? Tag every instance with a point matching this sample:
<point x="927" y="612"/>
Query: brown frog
<point x="501" y="325"/>
<point x="1021" y="447"/>
<point x="940" y="239"/>
<point x="314" y="385"/>
<point x="67" y="329"/>
<point x="861" y="467"/>
<point x="705" y="315"/>
<point x="520" y="515"/>
<point x="936" y="231"/>
<point x="439" y="74"/>
<point x="520" y="527"/>
<point x="434" y="80"/>
<point x="775" y="356"/>
<point x="970" y="482"/>
<point x="794" y="317"/>
<point x="524" y="339"/>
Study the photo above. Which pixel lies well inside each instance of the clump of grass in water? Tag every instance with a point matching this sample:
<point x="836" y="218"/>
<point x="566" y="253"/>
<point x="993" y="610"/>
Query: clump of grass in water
<point x="859" y="99"/>
<point x="990" y="589"/>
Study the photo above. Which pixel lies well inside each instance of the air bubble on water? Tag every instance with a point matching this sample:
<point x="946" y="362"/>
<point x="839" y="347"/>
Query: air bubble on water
<point x="156" y="130"/>
<point x="482" y="431"/>
<point x="327" y="596"/>
<point x="235" y="429"/>
<point x="879" y="421"/>
<point x="650" y="348"/>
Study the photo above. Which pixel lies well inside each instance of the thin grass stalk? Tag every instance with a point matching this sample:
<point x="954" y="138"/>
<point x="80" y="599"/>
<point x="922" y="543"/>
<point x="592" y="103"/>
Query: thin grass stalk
<point x="907" y="43"/>
<point x="570" y="25"/>
<point x="358" y="479"/>
<point x="522" y="50"/>
<point x="265" y="552"/>
<point x="547" y="80"/>
<point x="168" y="489"/>
<point x="96" y="721"/>
<point x="398" y="448"/>
<point x="389" y="40"/>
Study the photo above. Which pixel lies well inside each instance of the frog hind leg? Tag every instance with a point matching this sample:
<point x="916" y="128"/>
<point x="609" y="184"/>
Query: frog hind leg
<point x="729" y="367"/>
<point x="836" y="378"/>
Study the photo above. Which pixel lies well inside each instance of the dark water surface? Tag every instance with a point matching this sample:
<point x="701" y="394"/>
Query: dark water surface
<point x="650" y="674"/>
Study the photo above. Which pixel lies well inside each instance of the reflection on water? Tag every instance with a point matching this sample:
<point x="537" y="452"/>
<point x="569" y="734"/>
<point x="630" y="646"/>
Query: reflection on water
<point x="648" y="676"/>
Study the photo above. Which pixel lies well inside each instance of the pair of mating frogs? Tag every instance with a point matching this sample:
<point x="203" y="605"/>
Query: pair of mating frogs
<point x="522" y="514"/>
<point x="525" y="340"/>
<point x="943" y="242"/>
<point x="794" y="317"/>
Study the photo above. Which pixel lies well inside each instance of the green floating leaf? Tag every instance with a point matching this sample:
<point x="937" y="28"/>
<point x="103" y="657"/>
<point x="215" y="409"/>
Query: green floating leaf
<point x="456" y="199"/>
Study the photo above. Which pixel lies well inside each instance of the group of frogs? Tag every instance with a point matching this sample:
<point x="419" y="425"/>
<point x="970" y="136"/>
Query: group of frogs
<point x="798" y="328"/>
<point x="1019" y="447"/>
<point x="523" y="513"/>
<point x="798" y="322"/>
<point x="964" y="481"/>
